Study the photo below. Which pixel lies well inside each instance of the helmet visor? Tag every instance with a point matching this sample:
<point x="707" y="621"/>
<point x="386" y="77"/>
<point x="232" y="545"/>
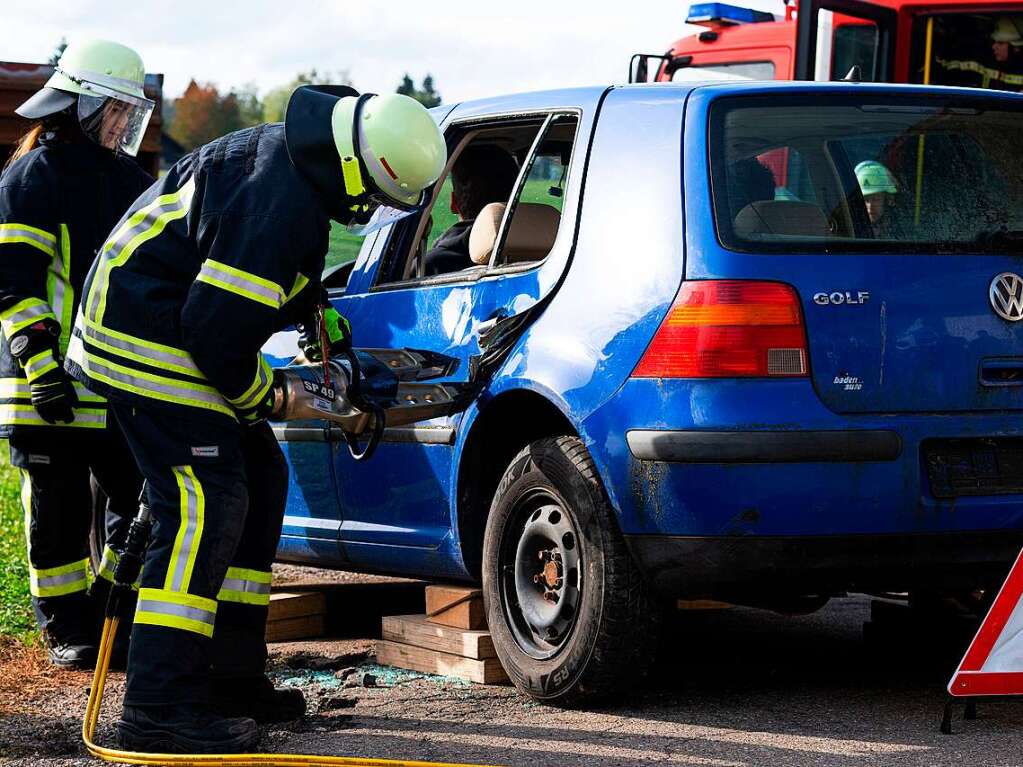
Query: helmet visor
<point x="115" y="120"/>
<point x="381" y="216"/>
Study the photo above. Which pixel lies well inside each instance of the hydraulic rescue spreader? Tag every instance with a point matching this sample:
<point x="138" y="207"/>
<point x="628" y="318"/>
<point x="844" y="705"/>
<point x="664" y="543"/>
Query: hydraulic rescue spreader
<point x="333" y="392"/>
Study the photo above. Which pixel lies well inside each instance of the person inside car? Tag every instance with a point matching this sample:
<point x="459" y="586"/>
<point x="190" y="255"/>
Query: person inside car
<point x="480" y="175"/>
<point x="878" y="187"/>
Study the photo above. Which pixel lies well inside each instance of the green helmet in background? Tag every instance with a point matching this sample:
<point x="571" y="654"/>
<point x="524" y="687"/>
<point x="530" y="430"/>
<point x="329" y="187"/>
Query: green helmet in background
<point x="107" y="80"/>
<point x="875" y="178"/>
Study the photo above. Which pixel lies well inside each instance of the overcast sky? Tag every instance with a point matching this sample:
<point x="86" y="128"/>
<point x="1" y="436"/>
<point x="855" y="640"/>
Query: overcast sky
<point x="473" y="49"/>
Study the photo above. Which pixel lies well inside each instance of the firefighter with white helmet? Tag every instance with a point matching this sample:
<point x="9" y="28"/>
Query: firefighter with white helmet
<point x="66" y="185"/>
<point x="222" y="252"/>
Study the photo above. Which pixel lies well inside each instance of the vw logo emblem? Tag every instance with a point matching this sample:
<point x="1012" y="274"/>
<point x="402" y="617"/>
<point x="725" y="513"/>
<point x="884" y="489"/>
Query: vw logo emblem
<point x="1006" y="295"/>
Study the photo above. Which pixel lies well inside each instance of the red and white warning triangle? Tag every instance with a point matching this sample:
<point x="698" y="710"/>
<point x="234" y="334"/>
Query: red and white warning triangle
<point x="994" y="663"/>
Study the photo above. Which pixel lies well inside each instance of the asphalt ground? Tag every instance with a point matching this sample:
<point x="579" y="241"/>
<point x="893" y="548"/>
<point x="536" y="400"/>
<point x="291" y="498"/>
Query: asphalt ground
<point x="731" y="687"/>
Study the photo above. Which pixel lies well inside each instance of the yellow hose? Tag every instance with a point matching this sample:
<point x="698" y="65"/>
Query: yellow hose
<point x="205" y="760"/>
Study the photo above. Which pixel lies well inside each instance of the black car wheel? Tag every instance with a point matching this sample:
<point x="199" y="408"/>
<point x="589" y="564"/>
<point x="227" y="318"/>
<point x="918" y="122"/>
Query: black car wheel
<point x="569" y="613"/>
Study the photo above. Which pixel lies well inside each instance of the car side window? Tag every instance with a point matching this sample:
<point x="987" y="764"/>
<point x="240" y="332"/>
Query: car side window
<point x="528" y="230"/>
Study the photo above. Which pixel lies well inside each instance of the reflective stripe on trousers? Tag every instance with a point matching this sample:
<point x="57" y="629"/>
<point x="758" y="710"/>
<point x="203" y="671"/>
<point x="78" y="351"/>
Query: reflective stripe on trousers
<point x="248" y="587"/>
<point x="193" y="518"/>
<point x="58" y="581"/>
<point x="171" y="609"/>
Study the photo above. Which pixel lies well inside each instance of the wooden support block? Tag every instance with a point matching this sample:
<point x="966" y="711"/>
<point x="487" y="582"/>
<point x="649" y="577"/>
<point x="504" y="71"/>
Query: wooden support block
<point x="487" y="671"/>
<point x="290" y="604"/>
<point x="291" y="629"/>
<point x="456" y="606"/>
<point x="417" y="631"/>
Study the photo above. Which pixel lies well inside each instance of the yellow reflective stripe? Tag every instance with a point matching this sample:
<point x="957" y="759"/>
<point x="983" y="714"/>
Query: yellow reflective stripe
<point x="39" y="364"/>
<point x="108" y="566"/>
<point x="59" y="291"/>
<point x="159" y="607"/>
<point x="146" y="384"/>
<point x="145" y="224"/>
<point x="186" y="543"/>
<point x="248" y="587"/>
<point x="138" y="349"/>
<point x="58" y="581"/>
<point x="28" y="235"/>
<point x="18" y="388"/>
<point x="26" y="415"/>
<point x="300" y="282"/>
<point x="241" y="283"/>
<point x="23" y="314"/>
<point x="259" y="388"/>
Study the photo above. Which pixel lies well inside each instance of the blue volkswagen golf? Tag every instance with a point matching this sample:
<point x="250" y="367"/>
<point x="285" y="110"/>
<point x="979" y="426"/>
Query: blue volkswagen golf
<point x="757" y="342"/>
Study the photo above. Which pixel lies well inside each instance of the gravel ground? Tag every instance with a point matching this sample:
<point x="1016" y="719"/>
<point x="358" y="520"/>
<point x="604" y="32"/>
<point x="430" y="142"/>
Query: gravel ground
<point x="733" y="687"/>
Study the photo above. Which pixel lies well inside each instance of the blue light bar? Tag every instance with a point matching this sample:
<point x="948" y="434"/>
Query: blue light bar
<point x="728" y="14"/>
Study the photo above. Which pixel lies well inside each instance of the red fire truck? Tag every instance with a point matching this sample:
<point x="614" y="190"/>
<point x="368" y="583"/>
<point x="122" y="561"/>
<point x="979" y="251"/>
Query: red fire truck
<point x="938" y="42"/>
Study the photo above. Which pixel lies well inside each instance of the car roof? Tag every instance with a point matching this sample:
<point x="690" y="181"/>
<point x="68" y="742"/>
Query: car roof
<point x="588" y="94"/>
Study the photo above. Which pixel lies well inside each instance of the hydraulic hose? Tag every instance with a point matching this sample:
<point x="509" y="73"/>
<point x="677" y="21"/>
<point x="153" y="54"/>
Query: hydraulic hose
<point x="125" y="574"/>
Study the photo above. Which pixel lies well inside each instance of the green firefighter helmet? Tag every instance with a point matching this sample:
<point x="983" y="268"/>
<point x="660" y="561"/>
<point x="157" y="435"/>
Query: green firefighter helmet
<point x="107" y="80"/>
<point x="1007" y="30"/>
<point x="875" y="178"/>
<point x="391" y="150"/>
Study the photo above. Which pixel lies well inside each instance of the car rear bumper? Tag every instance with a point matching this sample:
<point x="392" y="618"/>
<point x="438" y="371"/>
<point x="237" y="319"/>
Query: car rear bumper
<point x="749" y="566"/>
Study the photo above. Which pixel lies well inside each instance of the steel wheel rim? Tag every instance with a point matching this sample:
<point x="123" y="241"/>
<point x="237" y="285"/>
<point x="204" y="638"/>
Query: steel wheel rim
<point x="541" y="574"/>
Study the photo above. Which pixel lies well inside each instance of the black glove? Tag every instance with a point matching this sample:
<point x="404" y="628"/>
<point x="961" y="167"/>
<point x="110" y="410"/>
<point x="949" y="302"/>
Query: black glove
<point x="37" y="349"/>
<point x="264" y="408"/>
<point x="339" y="335"/>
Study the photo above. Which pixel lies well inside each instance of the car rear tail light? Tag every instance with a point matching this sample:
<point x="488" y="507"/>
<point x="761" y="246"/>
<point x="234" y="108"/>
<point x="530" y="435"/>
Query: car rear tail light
<point x="729" y="329"/>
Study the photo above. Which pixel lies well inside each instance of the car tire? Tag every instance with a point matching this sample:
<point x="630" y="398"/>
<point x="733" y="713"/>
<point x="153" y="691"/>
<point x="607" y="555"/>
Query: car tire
<point x="571" y="619"/>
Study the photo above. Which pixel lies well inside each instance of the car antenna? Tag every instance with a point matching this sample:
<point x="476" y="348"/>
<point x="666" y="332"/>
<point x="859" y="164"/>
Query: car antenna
<point x="854" y="75"/>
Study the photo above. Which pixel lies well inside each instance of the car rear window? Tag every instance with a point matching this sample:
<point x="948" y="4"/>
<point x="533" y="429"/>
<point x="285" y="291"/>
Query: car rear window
<point x="836" y="173"/>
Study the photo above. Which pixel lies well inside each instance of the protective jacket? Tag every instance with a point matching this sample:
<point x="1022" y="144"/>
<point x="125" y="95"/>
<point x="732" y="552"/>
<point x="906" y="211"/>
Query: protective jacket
<point x="451" y="251"/>
<point x="58" y="203"/>
<point x="222" y="252"/>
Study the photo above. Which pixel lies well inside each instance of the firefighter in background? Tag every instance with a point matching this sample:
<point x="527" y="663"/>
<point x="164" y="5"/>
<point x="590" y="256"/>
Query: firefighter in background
<point x="878" y="187"/>
<point x="67" y="184"/>
<point x="1007" y="49"/>
<point x="222" y="252"/>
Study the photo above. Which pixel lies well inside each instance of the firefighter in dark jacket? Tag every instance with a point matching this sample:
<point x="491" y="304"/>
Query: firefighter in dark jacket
<point x="66" y="186"/>
<point x="224" y="251"/>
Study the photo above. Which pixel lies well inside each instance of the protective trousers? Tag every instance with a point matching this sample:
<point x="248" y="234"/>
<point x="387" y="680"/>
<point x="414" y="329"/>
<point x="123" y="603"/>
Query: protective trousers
<point x="58" y="499"/>
<point x="217" y="492"/>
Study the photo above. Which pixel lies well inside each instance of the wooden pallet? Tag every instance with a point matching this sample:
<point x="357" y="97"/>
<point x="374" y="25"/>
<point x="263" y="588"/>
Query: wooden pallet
<point x="296" y="615"/>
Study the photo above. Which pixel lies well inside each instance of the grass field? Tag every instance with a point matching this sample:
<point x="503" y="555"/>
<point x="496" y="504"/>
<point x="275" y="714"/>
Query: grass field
<point x="15" y="611"/>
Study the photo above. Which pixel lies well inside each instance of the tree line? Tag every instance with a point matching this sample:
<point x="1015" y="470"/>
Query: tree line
<point x="202" y="112"/>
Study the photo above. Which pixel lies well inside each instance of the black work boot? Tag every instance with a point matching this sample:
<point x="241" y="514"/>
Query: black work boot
<point x="184" y="730"/>
<point x="73" y="651"/>
<point x="257" y="698"/>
